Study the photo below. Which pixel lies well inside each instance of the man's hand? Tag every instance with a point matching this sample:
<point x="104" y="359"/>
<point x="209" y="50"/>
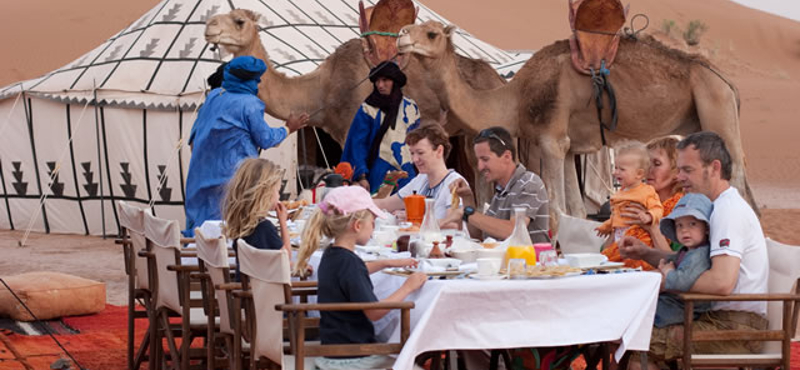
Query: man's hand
<point x="453" y="216"/>
<point x="364" y="184"/>
<point x="463" y="191"/>
<point x="632" y="248"/>
<point x="296" y="122"/>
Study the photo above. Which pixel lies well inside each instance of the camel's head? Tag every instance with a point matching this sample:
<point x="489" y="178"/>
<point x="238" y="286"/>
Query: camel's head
<point x="387" y="16"/>
<point x="235" y="31"/>
<point x="427" y="41"/>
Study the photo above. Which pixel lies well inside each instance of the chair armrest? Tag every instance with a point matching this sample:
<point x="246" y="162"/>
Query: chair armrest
<point x="304" y="284"/>
<point x="144" y="253"/>
<point x="344" y="306"/>
<point x="184" y="268"/>
<point x="739" y="297"/>
<point x="229" y="286"/>
<point x="188" y="253"/>
<point x="242" y="294"/>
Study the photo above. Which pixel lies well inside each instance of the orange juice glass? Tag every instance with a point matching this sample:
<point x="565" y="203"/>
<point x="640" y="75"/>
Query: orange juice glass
<point x="525" y="252"/>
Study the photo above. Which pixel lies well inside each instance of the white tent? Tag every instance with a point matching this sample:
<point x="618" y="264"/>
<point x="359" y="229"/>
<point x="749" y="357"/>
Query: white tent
<point x="109" y="126"/>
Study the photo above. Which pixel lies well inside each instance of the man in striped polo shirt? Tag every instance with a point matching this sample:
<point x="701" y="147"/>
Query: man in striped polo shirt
<point x="515" y="187"/>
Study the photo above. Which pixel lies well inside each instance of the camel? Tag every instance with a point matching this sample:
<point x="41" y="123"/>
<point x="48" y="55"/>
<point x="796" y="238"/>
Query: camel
<point x="329" y="90"/>
<point x="659" y="91"/>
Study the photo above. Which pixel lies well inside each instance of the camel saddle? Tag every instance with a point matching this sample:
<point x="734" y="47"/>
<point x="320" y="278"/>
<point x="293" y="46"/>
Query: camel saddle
<point x="379" y="26"/>
<point x="595" y="28"/>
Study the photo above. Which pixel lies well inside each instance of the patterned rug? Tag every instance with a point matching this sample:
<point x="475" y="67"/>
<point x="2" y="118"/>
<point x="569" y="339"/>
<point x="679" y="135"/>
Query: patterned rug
<point x="99" y="342"/>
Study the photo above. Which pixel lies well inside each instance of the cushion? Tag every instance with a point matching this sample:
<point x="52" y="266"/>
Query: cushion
<point x="50" y="295"/>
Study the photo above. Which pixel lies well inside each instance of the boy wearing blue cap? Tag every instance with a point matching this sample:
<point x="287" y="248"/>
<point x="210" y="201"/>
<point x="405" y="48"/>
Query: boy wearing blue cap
<point x="687" y="225"/>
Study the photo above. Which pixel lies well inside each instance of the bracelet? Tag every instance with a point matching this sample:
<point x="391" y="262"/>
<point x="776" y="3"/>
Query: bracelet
<point x="389" y="183"/>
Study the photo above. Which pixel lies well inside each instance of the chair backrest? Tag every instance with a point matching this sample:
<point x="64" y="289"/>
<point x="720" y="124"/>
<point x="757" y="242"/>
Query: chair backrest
<point x="214" y="254"/>
<point x="577" y="235"/>
<point x="164" y="237"/>
<point x="269" y="273"/>
<point x="132" y="219"/>
<point x="784" y="272"/>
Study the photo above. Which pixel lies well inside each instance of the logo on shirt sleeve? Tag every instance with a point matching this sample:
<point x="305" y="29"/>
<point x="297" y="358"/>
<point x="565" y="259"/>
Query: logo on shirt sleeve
<point x="724" y="243"/>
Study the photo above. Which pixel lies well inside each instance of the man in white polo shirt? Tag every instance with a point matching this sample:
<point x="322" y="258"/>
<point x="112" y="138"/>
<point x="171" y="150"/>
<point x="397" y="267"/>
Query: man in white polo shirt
<point x="738" y="254"/>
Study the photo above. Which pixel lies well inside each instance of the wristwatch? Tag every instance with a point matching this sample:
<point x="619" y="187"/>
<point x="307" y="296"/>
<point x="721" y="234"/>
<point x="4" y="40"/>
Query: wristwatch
<point x="468" y="211"/>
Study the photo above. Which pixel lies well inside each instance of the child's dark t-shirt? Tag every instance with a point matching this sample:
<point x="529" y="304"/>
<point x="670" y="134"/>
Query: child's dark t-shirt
<point x="343" y="277"/>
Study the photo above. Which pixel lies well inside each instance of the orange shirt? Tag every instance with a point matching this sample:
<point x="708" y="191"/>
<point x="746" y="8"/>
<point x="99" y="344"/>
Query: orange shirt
<point x="643" y="194"/>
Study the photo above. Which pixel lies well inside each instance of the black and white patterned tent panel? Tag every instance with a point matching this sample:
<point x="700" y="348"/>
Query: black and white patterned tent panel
<point x="148" y="80"/>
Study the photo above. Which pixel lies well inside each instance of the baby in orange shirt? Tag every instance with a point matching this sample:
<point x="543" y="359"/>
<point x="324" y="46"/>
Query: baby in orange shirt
<point x="630" y="168"/>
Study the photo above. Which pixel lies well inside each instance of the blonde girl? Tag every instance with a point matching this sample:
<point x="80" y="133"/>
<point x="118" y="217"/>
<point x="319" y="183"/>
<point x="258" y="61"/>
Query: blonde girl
<point x="347" y="216"/>
<point x="250" y="195"/>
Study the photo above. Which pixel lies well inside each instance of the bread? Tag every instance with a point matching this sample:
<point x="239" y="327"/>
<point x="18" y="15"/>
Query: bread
<point x="295" y="204"/>
<point x="455" y="200"/>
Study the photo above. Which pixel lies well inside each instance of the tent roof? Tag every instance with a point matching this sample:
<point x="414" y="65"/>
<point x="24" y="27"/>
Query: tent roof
<point x="161" y="61"/>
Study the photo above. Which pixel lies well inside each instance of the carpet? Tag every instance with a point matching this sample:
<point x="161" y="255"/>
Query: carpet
<point x="99" y="342"/>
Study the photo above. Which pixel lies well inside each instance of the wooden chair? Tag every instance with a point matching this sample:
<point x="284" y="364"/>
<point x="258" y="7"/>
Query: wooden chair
<point x="217" y="290"/>
<point x="131" y="220"/>
<point x="170" y="282"/>
<point x="784" y="287"/>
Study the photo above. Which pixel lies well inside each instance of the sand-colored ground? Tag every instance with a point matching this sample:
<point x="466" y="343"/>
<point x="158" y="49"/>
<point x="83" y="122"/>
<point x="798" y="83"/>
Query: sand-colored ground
<point x="760" y="52"/>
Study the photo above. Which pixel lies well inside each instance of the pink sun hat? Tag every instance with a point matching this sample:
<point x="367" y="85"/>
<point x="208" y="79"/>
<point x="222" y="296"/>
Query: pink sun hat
<point x="349" y="199"/>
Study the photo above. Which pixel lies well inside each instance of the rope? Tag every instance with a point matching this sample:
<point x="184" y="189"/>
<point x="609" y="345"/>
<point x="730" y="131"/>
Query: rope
<point x="47" y="329"/>
<point x="319" y="142"/>
<point x="379" y="33"/>
<point x="56" y="169"/>
<point x="600" y="84"/>
<point x="631" y="32"/>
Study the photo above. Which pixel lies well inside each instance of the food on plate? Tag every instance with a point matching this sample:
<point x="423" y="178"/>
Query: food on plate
<point x="539" y="270"/>
<point x="412" y="229"/>
<point x="489" y="245"/>
<point x="295" y="204"/>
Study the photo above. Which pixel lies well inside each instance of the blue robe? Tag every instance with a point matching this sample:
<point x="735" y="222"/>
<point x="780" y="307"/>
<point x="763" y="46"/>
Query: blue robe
<point x="230" y="127"/>
<point x="393" y="153"/>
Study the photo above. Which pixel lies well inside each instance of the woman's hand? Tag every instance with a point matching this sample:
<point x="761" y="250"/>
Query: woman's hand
<point x="463" y="191"/>
<point x="453" y="217"/>
<point x="636" y="214"/>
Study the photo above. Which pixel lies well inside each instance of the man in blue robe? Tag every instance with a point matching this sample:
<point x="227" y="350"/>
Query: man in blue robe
<point x="230" y="127"/>
<point x="375" y="142"/>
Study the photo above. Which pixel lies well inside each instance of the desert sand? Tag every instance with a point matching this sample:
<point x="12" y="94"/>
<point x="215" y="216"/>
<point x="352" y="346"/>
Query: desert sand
<point x="758" y="51"/>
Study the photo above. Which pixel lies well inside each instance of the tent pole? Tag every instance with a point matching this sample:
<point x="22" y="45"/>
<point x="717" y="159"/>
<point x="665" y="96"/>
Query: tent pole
<point x="99" y="162"/>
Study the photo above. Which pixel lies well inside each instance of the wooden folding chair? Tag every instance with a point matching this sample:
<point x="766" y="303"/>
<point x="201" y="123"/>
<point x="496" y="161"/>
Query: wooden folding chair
<point x="131" y="220"/>
<point x="217" y="290"/>
<point x="784" y="287"/>
<point x="171" y="296"/>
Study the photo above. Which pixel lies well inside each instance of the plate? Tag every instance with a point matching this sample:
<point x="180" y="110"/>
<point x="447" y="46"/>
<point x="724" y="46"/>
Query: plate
<point x="605" y="266"/>
<point x="405" y="272"/>
<point x="434" y="273"/>
<point x="547" y="277"/>
<point x="487" y="277"/>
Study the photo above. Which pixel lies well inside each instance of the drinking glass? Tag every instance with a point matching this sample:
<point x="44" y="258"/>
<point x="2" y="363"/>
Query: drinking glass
<point x="516" y="268"/>
<point x="548" y="258"/>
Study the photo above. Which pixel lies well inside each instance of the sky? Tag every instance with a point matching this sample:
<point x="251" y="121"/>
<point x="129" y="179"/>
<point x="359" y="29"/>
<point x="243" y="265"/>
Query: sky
<point x="784" y="8"/>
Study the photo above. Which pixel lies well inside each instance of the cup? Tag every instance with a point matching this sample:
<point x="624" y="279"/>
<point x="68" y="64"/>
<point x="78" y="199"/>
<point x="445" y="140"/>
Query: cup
<point x="516" y="268"/>
<point x="488" y="266"/>
<point x="402" y="243"/>
<point x="548" y="258"/>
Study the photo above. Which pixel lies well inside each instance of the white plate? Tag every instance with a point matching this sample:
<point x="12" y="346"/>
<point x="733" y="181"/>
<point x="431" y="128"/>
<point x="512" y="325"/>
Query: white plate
<point x="604" y="265"/>
<point x="545" y="277"/>
<point x="487" y="277"/>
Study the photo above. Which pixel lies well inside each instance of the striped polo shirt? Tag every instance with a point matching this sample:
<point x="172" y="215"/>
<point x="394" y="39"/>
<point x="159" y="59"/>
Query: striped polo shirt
<point x="524" y="190"/>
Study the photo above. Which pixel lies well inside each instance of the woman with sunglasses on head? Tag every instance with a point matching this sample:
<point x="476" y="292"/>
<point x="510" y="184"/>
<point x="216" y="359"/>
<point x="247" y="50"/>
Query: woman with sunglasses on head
<point x="515" y="187"/>
<point x="429" y="145"/>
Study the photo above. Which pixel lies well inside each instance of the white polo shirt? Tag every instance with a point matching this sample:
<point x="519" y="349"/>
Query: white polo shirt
<point x="736" y="231"/>
<point x="440" y="193"/>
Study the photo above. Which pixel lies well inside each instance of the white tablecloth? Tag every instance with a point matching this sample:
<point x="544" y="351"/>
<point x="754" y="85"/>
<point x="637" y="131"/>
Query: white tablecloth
<point x="472" y="314"/>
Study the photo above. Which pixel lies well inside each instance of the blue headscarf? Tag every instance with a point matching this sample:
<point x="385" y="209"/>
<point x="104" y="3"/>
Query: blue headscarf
<point x="242" y="75"/>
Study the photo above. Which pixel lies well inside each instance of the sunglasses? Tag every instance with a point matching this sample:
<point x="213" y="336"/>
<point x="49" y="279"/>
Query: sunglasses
<point x="487" y="133"/>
